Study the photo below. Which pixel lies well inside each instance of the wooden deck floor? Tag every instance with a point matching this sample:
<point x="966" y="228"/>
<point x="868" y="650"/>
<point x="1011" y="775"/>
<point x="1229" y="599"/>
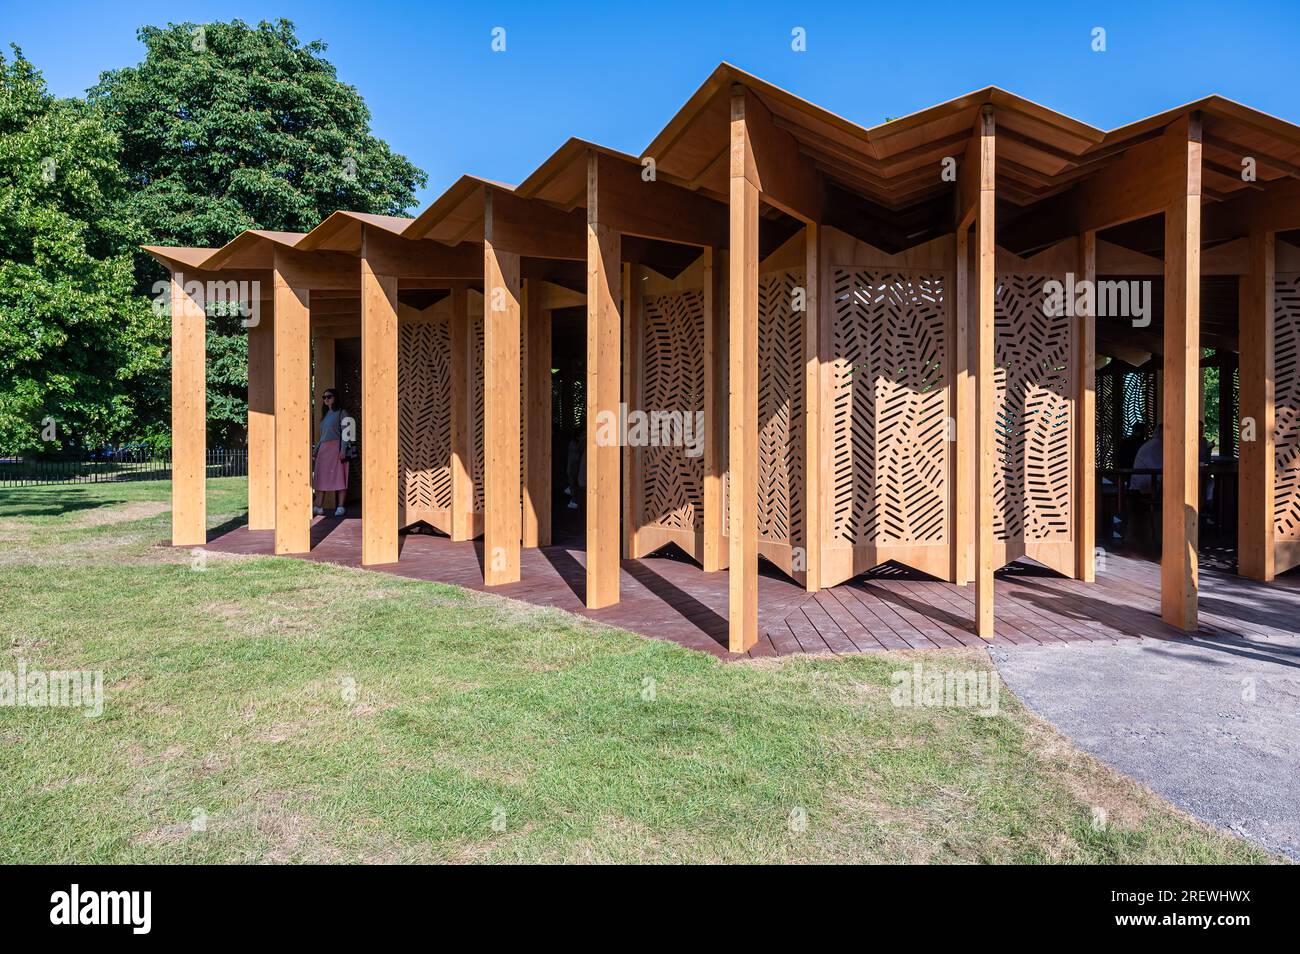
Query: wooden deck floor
<point x="890" y="609"/>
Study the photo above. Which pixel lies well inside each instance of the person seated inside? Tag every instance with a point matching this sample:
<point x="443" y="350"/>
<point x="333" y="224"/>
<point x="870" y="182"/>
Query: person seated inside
<point x="1129" y="446"/>
<point x="1206" y="450"/>
<point x="1150" y="456"/>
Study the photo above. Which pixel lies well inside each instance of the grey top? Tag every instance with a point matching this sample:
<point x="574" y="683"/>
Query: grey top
<point x="331" y="426"/>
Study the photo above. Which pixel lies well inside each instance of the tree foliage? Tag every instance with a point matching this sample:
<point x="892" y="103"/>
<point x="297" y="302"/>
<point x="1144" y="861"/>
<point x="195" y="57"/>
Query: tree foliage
<point x="226" y="127"/>
<point x="76" y="343"/>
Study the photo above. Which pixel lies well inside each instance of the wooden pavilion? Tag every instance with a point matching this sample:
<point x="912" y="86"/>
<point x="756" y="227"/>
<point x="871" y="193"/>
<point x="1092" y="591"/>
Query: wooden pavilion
<point x="859" y="315"/>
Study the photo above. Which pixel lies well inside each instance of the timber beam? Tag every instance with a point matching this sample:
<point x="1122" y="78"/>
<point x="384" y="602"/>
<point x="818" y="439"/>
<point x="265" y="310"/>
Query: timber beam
<point x="604" y="384"/>
<point x="772" y="161"/>
<point x="292" y="388"/>
<point x="1181" y="177"/>
<point x="632" y="205"/>
<point x="742" y="505"/>
<point x="985" y="390"/>
<point x="379" y="501"/>
<point x="502" y="460"/>
<point x="189" y="417"/>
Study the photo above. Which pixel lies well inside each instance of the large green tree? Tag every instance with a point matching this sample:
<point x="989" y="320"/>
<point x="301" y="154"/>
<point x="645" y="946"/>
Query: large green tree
<point x="226" y="127"/>
<point x="75" y="340"/>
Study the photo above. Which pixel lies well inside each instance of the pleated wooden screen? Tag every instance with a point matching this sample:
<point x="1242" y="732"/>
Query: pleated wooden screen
<point x="781" y="416"/>
<point x="424" y="422"/>
<point x="1109" y="388"/>
<point x="1286" y="395"/>
<point x="1034" y="422"/>
<point x="1141" y="401"/>
<point x="673" y="382"/>
<point x="476" y="394"/>
<point x="890" y="413"/>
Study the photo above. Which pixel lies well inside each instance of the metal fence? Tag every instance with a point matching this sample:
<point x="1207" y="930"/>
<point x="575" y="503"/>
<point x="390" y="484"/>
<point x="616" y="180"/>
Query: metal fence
<point x="121" y="465"/>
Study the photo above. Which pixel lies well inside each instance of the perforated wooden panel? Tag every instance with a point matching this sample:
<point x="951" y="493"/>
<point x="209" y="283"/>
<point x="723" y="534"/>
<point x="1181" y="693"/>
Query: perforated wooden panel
<point x="476" y="397"/>
<point x="1286" y="480"/>
<point x="890" y="408"/>
<point x="780" y="408"/>
<point x="1109" y="435"/>
<point x="424" y="420"/>
<point x="1033" y="427"/>
<point x="673" y="342"/>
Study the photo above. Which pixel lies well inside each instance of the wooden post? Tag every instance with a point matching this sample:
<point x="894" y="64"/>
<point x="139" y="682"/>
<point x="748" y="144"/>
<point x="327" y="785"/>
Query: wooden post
<point x="743" y="351"/>
<point x="633" y="484"/>
<point x="537" y="420"/>
<point x="814" y="498"/>
<point x="963" y="394"/>
<point x="462" y="417"/>
<point x="986" y="394"/>
<point x="716" y="358"/>
<point x="323" y="378"/>
<point x="604" y="384"/>
<point x="379" y="503"/>
<point x="189" y="416"/>
<point x="292" y="414"/>
<point x="502" y="530"/>
<point x="1085" y="421"/>
<point x="1182" y="374"/>
<point x="261" y="424"/>
<point x="1255" y="489"/>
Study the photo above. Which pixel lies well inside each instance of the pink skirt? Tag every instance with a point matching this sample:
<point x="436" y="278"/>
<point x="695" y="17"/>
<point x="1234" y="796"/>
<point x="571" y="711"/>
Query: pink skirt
<point x="330" y="473"/>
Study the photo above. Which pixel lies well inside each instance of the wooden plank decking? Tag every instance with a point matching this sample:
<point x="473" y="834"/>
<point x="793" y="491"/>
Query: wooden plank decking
<point x="891" y="609"/>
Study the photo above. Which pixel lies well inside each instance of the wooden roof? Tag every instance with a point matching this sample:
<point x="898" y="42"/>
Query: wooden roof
<point x="883" y="179"/>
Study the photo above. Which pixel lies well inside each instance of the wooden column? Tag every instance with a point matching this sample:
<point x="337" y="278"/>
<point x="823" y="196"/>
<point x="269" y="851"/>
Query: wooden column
<point x="814" y="492"/>
<point x="633" y="397"/>
<point x="1182" y="375"/>
<point x="502" y="524"/>
<point x="189" y="417"/>
<point x="292" y="336"/>
<point x="379" y="511"/>
<point x="604" y="386"/>
<point x="1255" y="488"/>
<point x="322" y="379"/>
<point x="1085" y="421"/>
<point x="537" y="419"/>
<point x="743" y="383"/>
<point x="963" y="394"/>
<point x="462" y="417"/>
<point x="714" y="556"/>
<point x="261" y="423"/>
<point x="986" y="394"/>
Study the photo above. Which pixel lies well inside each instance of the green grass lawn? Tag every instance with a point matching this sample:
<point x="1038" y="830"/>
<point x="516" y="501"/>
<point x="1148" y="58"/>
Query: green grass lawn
<point x="318" y="713"/>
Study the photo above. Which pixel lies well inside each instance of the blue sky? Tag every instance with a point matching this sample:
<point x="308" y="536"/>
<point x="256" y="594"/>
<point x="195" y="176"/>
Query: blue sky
<point x="615" y="73"/>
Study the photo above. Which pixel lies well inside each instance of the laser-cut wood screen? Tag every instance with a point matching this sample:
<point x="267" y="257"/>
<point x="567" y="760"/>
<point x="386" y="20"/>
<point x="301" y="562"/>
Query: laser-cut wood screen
<point x="1124" y="398"/>
<point x="672" y="366"/>
<point x="890" y="409"/>
<point x="780" y="415"/>
<point x="1286" y="395"/>
<point x="1033" y="424"/>
<point x="424" y="422"/>
<point x="673" y="355"/>
<point x="476" y="401"/>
